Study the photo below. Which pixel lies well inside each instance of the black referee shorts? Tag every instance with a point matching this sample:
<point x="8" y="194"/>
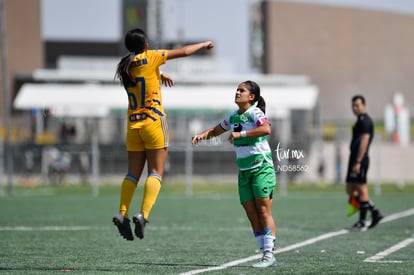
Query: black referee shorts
<point x="361" y="178"/>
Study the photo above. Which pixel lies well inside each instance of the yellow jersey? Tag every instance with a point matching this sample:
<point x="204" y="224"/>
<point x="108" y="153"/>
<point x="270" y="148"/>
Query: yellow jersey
<point x="145" y="99"/>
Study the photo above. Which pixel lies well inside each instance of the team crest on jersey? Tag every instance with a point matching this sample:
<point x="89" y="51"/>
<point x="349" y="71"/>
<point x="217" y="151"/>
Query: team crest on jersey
<point x="244" y="118"/>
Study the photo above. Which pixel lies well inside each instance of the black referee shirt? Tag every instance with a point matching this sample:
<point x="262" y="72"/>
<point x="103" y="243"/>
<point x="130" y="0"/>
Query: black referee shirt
<point x="363" y="125"/>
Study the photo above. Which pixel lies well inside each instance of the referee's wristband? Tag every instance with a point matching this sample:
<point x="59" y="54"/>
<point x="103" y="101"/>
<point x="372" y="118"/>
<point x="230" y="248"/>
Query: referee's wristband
<point x="243" y="134"/>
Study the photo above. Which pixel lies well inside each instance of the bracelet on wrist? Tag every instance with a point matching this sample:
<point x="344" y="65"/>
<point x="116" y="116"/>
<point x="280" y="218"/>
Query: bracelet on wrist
<point x="243" y="134"/>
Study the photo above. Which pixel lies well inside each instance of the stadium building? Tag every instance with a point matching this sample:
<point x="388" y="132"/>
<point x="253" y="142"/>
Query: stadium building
<point x="331" y="51"/>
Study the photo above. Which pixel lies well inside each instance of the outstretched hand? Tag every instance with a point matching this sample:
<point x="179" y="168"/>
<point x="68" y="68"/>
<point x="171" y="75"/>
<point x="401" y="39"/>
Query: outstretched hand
<point x="195" y="140"/>
<point x="166" y="80"/>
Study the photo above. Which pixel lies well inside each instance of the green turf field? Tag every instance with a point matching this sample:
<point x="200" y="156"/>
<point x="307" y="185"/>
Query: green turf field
<point x="54" y="230"/>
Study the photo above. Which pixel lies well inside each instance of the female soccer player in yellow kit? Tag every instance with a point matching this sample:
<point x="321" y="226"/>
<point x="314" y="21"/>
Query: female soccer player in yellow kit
<point x="147" y="131"/>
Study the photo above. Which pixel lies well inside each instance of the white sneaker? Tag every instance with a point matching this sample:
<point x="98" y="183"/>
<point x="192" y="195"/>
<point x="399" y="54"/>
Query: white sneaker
<point x="266" y="261"/>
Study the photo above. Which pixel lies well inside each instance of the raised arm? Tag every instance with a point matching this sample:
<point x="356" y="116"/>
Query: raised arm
<point x="189" y="49"/>
<point x="207" y="134"/>
<point x="262" y="130"/>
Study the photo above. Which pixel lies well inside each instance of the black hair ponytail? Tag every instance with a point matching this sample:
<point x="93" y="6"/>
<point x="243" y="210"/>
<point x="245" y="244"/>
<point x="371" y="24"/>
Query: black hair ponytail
<point x="122" y="71"/>
<point x="254" y="88"/>
<point x="261" y="104"/>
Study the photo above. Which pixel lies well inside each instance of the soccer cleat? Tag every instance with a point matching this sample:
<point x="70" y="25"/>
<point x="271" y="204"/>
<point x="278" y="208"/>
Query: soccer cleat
<point x="123" y="226"/>
<point x="140" y="223"/>
<point x="267" y="260"/>
<point x="358" y="226"/>
<point x="376" y="217"/>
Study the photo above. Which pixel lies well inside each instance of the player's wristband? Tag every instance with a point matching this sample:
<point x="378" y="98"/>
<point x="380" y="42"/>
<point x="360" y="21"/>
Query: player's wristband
<point x="243" y="134"/>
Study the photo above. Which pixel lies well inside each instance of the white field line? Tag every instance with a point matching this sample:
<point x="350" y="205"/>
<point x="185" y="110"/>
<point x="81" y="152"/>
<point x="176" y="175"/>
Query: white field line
<point x="79" y="228"/>
<point x="379" y="256"/>
<point x="46" y="228"/>
<point x="325" y="236"/>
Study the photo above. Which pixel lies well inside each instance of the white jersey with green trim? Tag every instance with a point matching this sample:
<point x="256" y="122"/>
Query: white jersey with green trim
<point x="250" y="151"/>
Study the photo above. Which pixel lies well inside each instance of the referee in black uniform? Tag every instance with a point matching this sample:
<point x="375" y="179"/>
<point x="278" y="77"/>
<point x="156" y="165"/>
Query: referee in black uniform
<point x="362" y="134"/>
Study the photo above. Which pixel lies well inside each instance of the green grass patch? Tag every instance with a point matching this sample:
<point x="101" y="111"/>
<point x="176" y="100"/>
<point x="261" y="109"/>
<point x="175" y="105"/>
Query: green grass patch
<point x="49" y="230"/>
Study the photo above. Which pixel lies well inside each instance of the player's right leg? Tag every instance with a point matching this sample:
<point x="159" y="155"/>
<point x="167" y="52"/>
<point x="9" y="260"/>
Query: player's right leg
<point x="246" y="196"/>
<point x="121" y="219"/>
<point x="250" y="209"/>
<point x="155" y="137"/>
<point x="358" y="188"/>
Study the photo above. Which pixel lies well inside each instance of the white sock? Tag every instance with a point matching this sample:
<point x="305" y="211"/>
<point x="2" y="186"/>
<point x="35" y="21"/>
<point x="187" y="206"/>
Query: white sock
<point x="268" y="243"/>
<point x="260" y="242"/>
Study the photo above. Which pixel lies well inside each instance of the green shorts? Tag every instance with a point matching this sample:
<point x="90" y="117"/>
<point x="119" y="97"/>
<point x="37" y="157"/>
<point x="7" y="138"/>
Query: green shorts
<point x="257" y="182"/>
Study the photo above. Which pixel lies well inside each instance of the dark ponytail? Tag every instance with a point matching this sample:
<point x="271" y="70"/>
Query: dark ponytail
<point x="135" y="41"/>
<point x="122" y="71"/>
<point x="261" y="104"/>
<point x="254" y="88"/>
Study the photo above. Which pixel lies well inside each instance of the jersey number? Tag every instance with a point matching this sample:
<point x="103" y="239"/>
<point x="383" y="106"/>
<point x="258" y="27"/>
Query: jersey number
<point x="133" y="104"/>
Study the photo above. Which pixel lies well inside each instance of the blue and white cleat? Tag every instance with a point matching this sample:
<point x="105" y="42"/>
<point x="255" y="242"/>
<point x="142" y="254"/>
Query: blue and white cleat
<point x="267" y="260"/>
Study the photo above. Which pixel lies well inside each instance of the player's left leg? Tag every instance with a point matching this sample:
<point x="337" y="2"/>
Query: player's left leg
<point x="366" y="204"/>
<point x="364" y="201"/>
<point x="136" y="162"/>
<point x="363" y="204"/>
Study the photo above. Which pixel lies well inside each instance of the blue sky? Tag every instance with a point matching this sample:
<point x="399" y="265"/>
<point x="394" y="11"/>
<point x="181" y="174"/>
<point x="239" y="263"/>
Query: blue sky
<point x="63" y="18"/>
<point x="224" y="21"/>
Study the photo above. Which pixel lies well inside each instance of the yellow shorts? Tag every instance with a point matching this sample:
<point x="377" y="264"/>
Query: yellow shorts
<point x="152" y="136"/>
